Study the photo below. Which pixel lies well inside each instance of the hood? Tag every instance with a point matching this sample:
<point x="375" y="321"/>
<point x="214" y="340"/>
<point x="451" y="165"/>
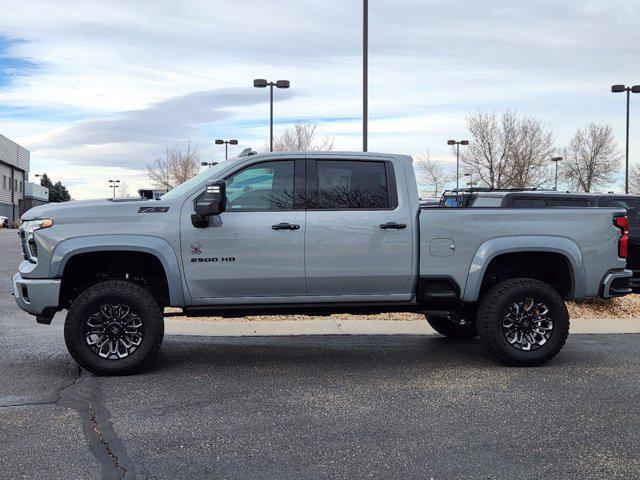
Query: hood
<point x="81" y="209"/>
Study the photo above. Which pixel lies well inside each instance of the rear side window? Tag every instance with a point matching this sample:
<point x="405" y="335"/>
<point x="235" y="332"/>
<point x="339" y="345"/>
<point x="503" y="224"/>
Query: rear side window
<point x="568" y="202"/>
<point x="348" y="185"/>
<point x="529" y="203"/>
<point x="627" y="203"/>
<point x="482" y="201"/>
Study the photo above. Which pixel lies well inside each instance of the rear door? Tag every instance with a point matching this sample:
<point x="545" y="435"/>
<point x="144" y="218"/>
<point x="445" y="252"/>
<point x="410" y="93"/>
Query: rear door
<point x="360" y="231"/>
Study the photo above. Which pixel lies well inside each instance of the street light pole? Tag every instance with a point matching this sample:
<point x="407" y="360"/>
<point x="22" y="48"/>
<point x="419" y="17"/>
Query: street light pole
<point x="556" y="160"/>
<point x="629" y="90"/>
<point x="457" y="144"/>
<point x="271" y="117"/>
<point x="262" y="83"/>
<point x="626" y="149"/>
<point x="365" y="74"/>
<point x="226" y="145"/>
<point x="114" y="184"/>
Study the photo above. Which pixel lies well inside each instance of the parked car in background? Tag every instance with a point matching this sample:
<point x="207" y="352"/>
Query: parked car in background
<point x="4" y="222"/>
<point x="534" y="198"/>
<point x="429" y="202"/>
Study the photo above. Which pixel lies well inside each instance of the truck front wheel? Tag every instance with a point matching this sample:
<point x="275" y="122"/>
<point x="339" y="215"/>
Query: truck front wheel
<point x="113" y="327"/>
<point x="453" y="325"/>
<point x="523" y="322"/>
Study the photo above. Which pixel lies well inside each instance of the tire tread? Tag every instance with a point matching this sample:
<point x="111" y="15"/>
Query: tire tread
<point x="93" y="293"/>
<point x="490" y="307"/>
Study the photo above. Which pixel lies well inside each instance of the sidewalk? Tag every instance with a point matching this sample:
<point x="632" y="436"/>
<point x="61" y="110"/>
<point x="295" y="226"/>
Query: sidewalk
<point x="236" y="328"/>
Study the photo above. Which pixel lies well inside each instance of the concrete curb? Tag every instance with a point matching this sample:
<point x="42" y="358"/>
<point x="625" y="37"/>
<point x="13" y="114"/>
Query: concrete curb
<point x="236" y="328"/>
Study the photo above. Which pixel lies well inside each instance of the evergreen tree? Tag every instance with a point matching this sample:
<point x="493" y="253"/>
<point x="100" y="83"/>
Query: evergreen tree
<point x="61" y="194"/>
<point x="57" y="192"/>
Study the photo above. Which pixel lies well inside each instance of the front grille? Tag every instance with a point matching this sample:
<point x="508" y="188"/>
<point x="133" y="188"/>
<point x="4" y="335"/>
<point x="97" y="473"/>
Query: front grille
<point x="33" y="249"/>
<point x="29" y="248"/>
<point x="23" y="244"/>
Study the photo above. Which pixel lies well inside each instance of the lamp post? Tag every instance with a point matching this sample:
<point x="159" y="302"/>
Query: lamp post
<point x="208" y="164"/>
<point x="226" y="146"/>
<point x="457" y="144"/>
<point x="629" y="90"/>
<point x="114" y="184"/>
<point x="365" y="74"/>
<point x="556" y="160"/>
<point x="262" y="83"/>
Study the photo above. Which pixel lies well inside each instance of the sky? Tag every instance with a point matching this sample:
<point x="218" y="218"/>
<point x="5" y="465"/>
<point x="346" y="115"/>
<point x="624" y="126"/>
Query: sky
<point x="97" y="89"/>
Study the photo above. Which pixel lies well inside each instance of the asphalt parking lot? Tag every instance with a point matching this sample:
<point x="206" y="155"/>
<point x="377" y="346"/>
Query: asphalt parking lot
<point x="406" y="406"/>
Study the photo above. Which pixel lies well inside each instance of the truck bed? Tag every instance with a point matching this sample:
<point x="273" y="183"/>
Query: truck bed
<point x="460" y="243"/>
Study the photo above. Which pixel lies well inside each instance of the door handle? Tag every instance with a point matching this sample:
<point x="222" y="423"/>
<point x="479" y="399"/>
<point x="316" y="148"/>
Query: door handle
<point x="285" y="226"/>
<point x="394" y="225"/>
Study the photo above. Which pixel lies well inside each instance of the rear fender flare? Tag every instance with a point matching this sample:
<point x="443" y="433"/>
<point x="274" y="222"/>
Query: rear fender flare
<point x="533" y="243"/>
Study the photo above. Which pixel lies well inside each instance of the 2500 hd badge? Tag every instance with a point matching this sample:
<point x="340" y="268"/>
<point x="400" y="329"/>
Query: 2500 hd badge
<point x="212" y="259"/>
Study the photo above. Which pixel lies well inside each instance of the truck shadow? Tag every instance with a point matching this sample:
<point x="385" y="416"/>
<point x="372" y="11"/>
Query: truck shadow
<point x="321" y="351"/>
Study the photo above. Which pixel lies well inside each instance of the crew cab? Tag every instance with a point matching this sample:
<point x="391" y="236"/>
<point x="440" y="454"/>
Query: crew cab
<point x="313" y="232"/>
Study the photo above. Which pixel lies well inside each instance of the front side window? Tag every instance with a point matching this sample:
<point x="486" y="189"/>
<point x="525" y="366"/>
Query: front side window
<point x="262" y="187"/>
<point x="352" y="185"/>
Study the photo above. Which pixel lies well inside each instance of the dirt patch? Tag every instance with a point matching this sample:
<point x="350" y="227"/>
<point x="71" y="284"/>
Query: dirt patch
<point x="626" y="307"/>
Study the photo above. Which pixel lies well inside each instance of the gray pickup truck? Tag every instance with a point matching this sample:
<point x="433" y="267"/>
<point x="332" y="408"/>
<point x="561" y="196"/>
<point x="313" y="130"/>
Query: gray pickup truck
<point x="313" y="232"/>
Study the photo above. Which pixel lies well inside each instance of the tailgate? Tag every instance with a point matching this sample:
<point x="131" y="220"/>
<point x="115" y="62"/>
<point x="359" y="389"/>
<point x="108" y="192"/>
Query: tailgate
<point x="633" y="255"/>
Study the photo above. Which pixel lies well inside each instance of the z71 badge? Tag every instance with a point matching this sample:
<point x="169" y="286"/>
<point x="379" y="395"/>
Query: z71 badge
<point x="153" y="209"/>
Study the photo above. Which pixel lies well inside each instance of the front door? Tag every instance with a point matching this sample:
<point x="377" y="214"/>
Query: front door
<point x="256" y="247"/>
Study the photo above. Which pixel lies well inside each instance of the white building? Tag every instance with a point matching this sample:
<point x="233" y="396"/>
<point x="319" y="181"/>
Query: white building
<point x="34" y="195"/>
<point x="14" y="170"/>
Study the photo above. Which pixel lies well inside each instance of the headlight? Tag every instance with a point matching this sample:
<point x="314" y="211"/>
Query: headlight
<point x="31" y="226"/>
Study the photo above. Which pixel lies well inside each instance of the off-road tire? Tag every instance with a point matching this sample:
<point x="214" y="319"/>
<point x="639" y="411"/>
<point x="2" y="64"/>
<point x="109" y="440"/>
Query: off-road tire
<point x="446" y="325"/>
<point x="114" y="291"/>
<point x="495" y="305"/>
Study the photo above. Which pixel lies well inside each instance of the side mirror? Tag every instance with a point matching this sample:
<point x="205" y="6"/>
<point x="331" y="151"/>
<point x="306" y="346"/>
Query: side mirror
<point x="214" y="200"/>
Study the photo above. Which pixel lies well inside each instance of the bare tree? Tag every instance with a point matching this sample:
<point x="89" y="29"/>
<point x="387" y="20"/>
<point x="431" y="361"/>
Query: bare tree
<point x="507" y="150"/>
<point x="176" y="167"/>
<point x="124" y="189"/>
<point x="486" y="157"/>
<point x="592" y="158"/>
<point x="530" y="151"/>
<point x="301" y="137"/>
<point x="432" y="173"/>
<point x="634" y="179"/>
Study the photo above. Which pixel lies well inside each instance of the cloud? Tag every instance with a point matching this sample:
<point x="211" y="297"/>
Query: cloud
<point x="110" y="82"/>
<point x="170" y="120"/>
<point x="132" y="138"/>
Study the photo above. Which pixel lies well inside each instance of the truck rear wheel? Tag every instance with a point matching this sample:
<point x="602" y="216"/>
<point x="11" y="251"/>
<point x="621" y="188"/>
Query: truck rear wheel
<point x="114" y="327"/>
<point x="453" y="326"/>
<point x="523" y="322"/>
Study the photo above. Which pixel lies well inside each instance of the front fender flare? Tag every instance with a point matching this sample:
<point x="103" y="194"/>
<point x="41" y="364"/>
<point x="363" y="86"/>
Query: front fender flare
<point x="528" y="243"/>
<point x="134" y="243"/>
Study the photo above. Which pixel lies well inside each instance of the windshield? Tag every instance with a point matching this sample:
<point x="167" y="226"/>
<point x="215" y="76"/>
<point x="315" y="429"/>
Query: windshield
<point x="199" y="179"/>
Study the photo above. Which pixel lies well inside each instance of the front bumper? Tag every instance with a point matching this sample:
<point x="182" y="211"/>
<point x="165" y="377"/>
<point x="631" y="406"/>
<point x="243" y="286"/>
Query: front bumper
<point x="38" y="297"/>
<point x="616" y="283"/>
